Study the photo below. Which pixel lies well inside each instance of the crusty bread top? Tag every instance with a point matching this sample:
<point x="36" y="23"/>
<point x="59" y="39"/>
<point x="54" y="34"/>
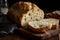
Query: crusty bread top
<point x="24" y="6"/>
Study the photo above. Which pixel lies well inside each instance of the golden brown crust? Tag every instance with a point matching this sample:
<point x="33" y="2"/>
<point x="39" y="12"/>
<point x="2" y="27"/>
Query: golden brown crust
<point x="25" y="5"/>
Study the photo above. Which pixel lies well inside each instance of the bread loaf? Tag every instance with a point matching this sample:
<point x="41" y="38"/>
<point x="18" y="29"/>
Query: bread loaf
<point x="23" y="12"/>
<point x="43" y="25"/>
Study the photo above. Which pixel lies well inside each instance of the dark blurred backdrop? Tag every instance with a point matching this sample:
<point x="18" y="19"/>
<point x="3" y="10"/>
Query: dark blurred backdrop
<point x="46" y="5"/>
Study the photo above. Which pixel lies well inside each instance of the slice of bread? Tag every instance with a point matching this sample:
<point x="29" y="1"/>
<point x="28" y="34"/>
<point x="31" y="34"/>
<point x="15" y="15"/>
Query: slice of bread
<point x="23" y="12"/>
<point x="43" y="25"/>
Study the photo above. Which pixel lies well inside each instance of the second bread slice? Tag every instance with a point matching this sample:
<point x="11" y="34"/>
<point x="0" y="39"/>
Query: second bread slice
<point x="43" y="25"/>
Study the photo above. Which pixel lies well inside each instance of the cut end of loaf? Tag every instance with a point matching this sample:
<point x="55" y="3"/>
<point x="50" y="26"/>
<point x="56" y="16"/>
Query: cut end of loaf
<point x="32" y="15"/>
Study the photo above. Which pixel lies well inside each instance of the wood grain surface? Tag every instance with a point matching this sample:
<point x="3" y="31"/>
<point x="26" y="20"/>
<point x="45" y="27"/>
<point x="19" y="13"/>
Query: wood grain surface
<point x="47" y="35"/>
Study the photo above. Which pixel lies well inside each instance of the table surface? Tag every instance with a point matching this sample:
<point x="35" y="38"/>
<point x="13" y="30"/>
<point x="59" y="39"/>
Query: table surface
<point x="13" y="37"/>
<point x="18" y="37"/>
<point x="49" y="34"/>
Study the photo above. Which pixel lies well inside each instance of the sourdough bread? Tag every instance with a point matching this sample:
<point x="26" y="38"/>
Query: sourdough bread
<point x="23" y="12"/>
<point x="43" y="25"/>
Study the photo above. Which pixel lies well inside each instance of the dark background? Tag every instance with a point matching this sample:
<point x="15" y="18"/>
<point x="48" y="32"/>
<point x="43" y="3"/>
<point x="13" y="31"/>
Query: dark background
<point x="46" y="5"/>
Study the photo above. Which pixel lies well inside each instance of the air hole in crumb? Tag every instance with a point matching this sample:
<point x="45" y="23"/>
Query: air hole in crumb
<point x="25" y="19"/>
<point x="29" y="14"/>
<point x="31" y="17"/>
<point x="38" y="9"/>
<point x="37" y="20"/>
<point x="40" y="25"/>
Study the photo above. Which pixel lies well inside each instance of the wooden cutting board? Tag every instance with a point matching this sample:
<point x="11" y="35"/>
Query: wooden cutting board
<point x="47" y="35"/>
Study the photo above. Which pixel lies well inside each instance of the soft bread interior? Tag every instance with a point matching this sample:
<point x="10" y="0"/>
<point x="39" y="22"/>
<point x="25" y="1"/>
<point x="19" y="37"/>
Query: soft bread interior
<point x="44" y="23"/>
<point x="32" y="15"/>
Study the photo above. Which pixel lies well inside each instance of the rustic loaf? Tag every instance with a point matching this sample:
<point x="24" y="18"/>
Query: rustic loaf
<point x="43" y="25"/>
<point x="23" y="12"/>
